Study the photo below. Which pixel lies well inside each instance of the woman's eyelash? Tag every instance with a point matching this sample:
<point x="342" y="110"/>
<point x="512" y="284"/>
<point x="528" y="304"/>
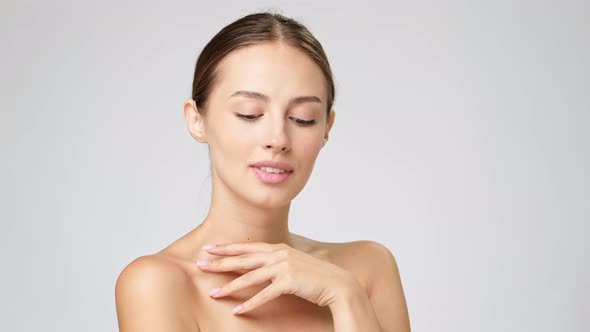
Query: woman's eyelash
<point x="251" y="117"/>
<point x="305" y="122"/>
<point x="246" y="116"/>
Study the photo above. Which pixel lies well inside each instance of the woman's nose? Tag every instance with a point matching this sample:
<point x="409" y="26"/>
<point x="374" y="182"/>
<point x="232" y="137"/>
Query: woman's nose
<point x="274" y="147"/>
<point x="278" y="143"/>
<point x="279" y="139"/>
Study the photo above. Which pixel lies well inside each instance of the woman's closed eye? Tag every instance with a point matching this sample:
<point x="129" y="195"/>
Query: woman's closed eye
<point x="252" y="117"/>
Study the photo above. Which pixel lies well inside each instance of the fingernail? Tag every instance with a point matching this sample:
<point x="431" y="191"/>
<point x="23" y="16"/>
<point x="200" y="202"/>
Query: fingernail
<point x="202" y="262"/>
<point x="214" y="291"/>
<point x="237" y="309"/>
<point x="208" y="246"/>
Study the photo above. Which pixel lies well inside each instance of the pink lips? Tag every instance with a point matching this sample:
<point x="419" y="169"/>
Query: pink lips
<point x="269" y="177"/>
<point x="273" y="164"/>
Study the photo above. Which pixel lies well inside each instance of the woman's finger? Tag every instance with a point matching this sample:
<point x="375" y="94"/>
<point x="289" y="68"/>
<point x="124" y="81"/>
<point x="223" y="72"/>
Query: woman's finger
<point x="245" y="262"/>
<point x="270" y="292"/>
<point x="251" y="278"/>
<point x="231" y="249"/>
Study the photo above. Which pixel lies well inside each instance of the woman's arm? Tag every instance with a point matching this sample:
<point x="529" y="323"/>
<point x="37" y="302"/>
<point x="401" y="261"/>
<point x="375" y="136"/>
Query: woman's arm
<point x="384" y="308"/>
<point x="352" y="311"/>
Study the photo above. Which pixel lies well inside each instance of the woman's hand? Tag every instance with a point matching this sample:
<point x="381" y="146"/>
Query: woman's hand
<point x="291" y="272"/>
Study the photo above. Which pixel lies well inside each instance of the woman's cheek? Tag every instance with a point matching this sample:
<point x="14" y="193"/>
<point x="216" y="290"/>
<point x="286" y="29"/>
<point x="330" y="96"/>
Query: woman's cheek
<point x="308" y="148"/>
<point x="232" y="139"/>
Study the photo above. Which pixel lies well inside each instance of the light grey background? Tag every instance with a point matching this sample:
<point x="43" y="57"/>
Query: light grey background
<point x="461" y="143"/>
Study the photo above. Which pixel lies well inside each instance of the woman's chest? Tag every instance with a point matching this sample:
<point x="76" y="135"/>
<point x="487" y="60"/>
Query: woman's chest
<point x="249" y="323"/>
<point x="285" y="313"/>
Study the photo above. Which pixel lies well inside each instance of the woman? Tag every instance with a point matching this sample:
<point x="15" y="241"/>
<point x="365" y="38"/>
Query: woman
<point x="262" y="101"/>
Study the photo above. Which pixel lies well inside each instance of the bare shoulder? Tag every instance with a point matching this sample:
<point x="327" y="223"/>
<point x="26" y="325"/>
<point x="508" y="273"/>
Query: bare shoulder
<point x="376" y="255"/>
<point x="380" y="273"/>
<point x="362" y="248"/>
<point x="362" y="257"/>
<point x="151" y="294"/>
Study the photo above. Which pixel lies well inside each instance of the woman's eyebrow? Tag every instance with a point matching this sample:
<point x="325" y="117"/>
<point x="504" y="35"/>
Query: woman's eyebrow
<point x="265" y="98"/>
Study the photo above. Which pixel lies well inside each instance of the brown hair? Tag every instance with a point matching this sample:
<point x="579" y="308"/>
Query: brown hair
<point x="250" y="30"/>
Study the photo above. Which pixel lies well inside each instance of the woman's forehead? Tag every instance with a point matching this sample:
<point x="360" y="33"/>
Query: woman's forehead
<point x="270" y="68"/>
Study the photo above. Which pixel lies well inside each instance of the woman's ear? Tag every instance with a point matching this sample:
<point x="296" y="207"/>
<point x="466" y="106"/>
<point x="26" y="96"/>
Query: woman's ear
<point x="329" y="126"/>
<point x="195" y="121"/>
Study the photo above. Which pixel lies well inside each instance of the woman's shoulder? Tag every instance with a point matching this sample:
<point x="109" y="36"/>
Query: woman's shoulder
<point x="353" y="252"/>
<point x="159" y="272"/>
<point x="152" y="284"/>
<point x="148" y="268"/>
<point x="359" y="257"/>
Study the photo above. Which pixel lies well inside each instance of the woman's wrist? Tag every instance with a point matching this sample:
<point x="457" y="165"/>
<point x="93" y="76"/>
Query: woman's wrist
<point x="346" y="288"/>
<point x="352" y="310"/>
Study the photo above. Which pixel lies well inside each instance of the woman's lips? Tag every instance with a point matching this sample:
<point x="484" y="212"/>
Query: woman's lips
<point x="273" y="164"/>
<point x="271" y="178"/>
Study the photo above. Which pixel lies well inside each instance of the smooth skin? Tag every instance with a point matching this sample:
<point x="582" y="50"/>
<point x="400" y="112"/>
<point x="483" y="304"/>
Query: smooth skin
<point x="283" y="280"/>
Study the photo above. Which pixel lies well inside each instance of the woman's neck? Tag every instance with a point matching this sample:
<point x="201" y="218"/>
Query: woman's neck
<point x="231" y="219"/>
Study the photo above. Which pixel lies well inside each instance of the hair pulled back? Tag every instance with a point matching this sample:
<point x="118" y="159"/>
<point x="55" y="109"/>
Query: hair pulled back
<point x="250" y="30"/>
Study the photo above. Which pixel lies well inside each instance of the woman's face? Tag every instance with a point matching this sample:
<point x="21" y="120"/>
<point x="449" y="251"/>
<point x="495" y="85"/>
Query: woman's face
<point x="277" y="73"/>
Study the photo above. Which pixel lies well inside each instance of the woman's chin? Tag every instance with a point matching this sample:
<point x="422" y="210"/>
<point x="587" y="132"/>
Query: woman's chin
<point x="271" y="202"/>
